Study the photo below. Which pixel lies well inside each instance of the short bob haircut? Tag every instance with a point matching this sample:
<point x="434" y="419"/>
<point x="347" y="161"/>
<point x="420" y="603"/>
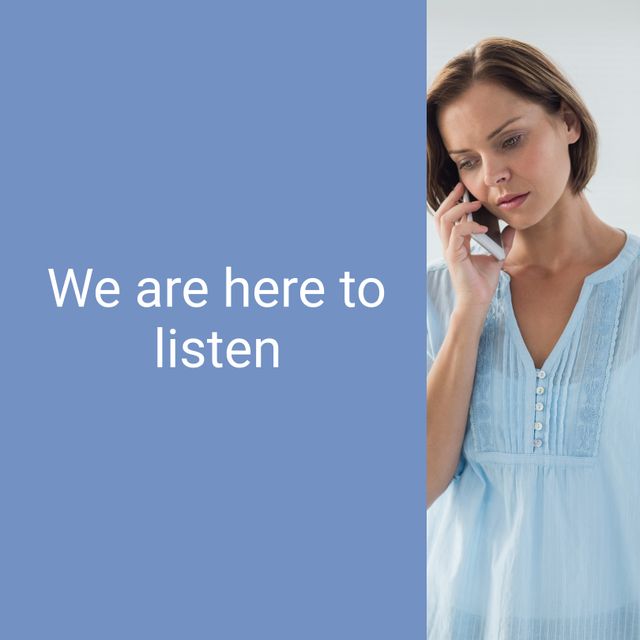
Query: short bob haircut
<point x="527" y="72"/>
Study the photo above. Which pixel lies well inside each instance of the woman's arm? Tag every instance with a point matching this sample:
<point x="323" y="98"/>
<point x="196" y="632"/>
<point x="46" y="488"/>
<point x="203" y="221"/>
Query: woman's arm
<point x="449" y="386"/>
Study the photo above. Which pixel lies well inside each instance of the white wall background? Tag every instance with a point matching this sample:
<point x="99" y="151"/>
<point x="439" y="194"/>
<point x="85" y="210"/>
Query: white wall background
<point x="597" y="46"/>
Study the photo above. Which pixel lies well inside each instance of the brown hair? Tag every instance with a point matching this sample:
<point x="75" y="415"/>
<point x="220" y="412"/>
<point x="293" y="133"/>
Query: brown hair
<point x="522" y="69"/>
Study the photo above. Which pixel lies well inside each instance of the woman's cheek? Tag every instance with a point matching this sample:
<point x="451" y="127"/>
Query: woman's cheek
<point x="547" y="160"/>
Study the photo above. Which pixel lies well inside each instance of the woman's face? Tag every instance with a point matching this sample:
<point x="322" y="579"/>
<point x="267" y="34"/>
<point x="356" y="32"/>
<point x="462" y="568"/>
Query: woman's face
<point x="505" y="145"/>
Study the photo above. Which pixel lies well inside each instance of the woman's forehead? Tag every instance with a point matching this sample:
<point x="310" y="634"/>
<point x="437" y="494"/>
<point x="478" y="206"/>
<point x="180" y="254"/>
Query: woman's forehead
<point x="480" y="112"/>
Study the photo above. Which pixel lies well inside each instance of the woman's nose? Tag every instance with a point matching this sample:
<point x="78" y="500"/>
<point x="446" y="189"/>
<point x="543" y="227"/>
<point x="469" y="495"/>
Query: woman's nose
<point x="494" y="175"/>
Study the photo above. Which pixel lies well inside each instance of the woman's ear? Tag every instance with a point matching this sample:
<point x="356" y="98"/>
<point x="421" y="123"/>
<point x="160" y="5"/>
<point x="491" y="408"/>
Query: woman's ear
<point x="571" y="122"/>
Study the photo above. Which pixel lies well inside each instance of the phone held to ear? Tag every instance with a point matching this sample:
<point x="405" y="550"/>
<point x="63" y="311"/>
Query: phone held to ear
<point x="492" y="239"/>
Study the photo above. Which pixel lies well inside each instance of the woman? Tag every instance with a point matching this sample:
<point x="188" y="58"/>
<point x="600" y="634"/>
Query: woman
<point x="533" y="387"/>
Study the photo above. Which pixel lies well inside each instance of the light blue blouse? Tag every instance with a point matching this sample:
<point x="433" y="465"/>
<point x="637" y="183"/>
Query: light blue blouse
<point x="538" y="534"/>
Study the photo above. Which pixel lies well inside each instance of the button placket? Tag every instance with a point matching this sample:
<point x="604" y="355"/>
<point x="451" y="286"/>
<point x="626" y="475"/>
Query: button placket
<point x="539" y="407"/>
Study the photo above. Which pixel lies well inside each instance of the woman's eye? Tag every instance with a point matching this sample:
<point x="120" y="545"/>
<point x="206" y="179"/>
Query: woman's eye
<point x="511" y="142"/>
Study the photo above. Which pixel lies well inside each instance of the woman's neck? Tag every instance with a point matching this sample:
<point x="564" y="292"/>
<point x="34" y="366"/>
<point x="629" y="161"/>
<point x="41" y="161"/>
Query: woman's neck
<point x="571" y="235"/>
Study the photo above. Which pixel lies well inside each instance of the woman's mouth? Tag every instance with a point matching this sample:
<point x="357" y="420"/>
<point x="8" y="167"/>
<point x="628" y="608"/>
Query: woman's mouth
<point x="513" y="203"/>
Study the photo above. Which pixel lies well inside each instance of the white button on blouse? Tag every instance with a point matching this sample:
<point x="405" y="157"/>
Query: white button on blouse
<point x="541" y="374"/>
<point x="539" y="406"/>
<point x="537" y="442"/>
<point x="539" y="390"/>
<point x="537" y="426"/>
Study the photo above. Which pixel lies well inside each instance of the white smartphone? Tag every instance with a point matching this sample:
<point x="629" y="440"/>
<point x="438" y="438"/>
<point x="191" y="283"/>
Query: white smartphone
<point x="492" y="239"/>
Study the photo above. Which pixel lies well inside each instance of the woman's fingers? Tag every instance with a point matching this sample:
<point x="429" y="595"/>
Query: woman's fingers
<point x="450" y="200"/>
<point x="460" y="211"/>
<point x="460" y="238"/>
<point x="454" y="217"/>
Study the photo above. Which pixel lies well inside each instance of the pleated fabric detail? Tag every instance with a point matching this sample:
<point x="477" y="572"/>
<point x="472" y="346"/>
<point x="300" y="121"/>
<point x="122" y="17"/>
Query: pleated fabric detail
<point x="538" y="534"/>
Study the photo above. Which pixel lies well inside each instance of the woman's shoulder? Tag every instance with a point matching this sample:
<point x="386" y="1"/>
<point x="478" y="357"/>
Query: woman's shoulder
<point x="436" y="264"/>
<point x="436" y="268"/>
<point x="438" y="278"/>
<point x="440" y="291"/>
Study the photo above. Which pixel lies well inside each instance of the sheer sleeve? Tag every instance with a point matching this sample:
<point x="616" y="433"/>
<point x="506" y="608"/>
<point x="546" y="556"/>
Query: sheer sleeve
<point x="440" y="299"/>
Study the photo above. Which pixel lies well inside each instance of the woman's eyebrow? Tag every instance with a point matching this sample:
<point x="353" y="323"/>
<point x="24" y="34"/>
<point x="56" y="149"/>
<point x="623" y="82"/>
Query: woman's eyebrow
<point x="491" y="135"/>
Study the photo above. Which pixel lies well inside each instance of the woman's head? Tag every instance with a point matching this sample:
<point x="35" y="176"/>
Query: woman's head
<point x="549" y="143"/>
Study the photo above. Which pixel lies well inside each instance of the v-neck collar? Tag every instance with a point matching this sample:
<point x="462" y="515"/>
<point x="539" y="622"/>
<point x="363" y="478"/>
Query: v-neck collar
<point x="619" y="264"/>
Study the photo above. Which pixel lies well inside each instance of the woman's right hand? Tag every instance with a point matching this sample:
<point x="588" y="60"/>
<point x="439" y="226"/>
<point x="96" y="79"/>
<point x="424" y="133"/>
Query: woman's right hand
<point x="474" y="276"/>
